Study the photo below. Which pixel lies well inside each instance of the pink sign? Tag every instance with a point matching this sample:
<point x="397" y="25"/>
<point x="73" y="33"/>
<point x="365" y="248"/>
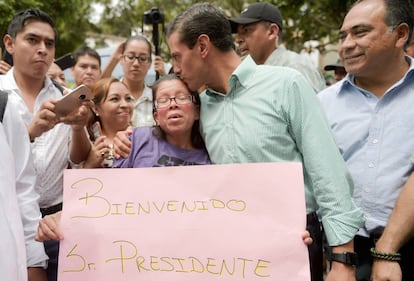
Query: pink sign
<point x="198" y="223"/>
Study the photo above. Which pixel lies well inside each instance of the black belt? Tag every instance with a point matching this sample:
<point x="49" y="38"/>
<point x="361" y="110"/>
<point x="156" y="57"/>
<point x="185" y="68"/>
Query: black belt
<point x="312" y="218"/>
<point x="51" y="210"/>
<point x="376" y="233"/>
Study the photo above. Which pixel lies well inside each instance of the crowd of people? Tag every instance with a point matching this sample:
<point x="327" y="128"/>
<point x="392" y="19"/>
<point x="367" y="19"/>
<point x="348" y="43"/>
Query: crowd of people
<point x="235" y="94"/>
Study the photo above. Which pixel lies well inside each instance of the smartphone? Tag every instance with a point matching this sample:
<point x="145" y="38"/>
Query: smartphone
<point x="65" y="61"/>
<point x="96" y="130"/>
<point x="73" y="100"/>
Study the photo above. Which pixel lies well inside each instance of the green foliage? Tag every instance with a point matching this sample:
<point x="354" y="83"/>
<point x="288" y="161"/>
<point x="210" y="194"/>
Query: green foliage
<point x="304" y="19"/>
<point x="311" y="20"/>
<point x="120" y="19"/>
<point x="71" y="17"/>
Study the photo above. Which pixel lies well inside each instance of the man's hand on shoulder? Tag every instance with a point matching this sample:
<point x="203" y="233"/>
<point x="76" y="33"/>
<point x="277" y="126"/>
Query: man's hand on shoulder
<point x="122" y="143"/>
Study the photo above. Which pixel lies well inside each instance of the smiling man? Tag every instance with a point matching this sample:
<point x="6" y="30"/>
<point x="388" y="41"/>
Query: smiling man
<point x="371" y="113"/>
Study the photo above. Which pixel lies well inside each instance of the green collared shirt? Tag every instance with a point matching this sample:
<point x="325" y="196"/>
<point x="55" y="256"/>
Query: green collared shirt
<point x="272" y="114"/>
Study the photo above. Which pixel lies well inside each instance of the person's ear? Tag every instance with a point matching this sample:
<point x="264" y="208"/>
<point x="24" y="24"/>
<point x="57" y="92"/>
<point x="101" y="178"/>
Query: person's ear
<point x="273" y="31"/>
<point x="8" y="42"/>
<point x="403" y="32"/>
<point x="155" y="115"/>
<point x="203" y="44"/>
<point x="95" y="110"/>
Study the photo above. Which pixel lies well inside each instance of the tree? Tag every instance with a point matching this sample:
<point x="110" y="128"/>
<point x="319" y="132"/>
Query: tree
<point x="304" y="20"/>
<point x="71" y="17"/>
<point x="120" y="19"/>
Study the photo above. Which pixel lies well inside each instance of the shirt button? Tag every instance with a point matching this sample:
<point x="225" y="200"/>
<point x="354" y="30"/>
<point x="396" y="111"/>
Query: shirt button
<point x="367" y="190"/>
<point x="374" y="141"/>
<point x="371" y="165"/>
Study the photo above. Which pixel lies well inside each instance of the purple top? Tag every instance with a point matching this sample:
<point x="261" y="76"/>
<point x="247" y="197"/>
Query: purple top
<point x="150" y="151"/>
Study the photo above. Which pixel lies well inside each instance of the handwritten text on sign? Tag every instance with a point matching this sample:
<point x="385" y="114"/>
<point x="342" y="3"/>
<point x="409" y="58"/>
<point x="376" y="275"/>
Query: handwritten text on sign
<point x="224" y="222"/>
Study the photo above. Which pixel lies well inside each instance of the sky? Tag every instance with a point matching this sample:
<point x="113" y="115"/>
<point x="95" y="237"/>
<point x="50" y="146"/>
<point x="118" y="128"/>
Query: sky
<point x="97" y="10"/>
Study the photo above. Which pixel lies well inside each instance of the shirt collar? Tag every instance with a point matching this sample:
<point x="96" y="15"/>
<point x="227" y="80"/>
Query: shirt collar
<point x="349" y="80"/>
<point x="276" y="55"/>
<point x="145" y="96"/>
<point x="10" y="82"/>
<point x="240" y="77"/>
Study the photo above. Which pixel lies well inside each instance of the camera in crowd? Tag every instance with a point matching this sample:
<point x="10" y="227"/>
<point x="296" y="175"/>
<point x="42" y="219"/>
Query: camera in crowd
<point x="153" y="16"/>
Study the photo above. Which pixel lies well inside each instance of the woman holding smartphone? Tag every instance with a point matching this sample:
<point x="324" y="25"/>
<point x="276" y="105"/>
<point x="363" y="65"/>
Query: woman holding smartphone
<point x="112" y="112"/>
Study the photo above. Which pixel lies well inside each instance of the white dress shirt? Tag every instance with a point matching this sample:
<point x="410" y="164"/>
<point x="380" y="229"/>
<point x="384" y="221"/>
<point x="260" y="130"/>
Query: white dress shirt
<point x="284" y="57"/>
<point x="13" y="260"/>
<point x="24" y="176"/>
<point x="51" y="150"/>
<point x="143" y="109"/>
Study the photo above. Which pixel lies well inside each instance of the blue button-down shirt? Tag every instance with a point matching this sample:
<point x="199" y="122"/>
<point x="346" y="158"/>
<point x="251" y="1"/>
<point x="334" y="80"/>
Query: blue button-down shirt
<point x="375" y="137"/>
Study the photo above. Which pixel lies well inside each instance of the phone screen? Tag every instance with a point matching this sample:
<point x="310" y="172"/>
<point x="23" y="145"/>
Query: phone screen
<point x="96" y="130"/>
<point x="65" y="61"/>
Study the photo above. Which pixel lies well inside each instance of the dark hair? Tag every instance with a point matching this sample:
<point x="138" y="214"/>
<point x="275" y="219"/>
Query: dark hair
<point x="196" y="139"/>
<point x="139" y="38"/>
<point x="21" y="18"/>
<point x="203" y="18"/>
<point x="397" y="12"/>
<point x="400" y="11"/>
<point x="86" y="50"/>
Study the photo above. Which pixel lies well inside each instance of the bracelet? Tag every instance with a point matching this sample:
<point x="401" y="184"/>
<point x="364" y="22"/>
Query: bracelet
<point x="385" y="256"/>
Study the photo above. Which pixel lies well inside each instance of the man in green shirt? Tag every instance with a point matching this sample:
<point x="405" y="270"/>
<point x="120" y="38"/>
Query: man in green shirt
<point x="260" y="113"/>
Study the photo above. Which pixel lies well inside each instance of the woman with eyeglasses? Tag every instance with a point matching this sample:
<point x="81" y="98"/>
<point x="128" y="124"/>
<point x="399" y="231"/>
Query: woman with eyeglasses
<point x="134" y="55"/>
<point x="175" y="140"/>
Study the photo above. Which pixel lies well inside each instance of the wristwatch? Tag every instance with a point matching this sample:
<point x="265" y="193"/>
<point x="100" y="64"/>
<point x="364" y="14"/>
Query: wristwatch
<point x="349" y="258"/>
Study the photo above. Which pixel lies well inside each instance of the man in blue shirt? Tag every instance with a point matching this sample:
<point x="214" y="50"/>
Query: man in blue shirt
<point x="262" y="113"/>
<point x="371" y="113"/>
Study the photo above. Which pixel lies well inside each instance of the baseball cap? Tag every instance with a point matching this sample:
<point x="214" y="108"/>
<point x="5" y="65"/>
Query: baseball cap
<point x="333" y="66"/>
<point x="257" y="12"/>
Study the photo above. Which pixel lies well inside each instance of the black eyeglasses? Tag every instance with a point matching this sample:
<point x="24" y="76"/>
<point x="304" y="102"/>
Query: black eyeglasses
<point x="166" y="101"/>
<point x="130" y="58"/>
